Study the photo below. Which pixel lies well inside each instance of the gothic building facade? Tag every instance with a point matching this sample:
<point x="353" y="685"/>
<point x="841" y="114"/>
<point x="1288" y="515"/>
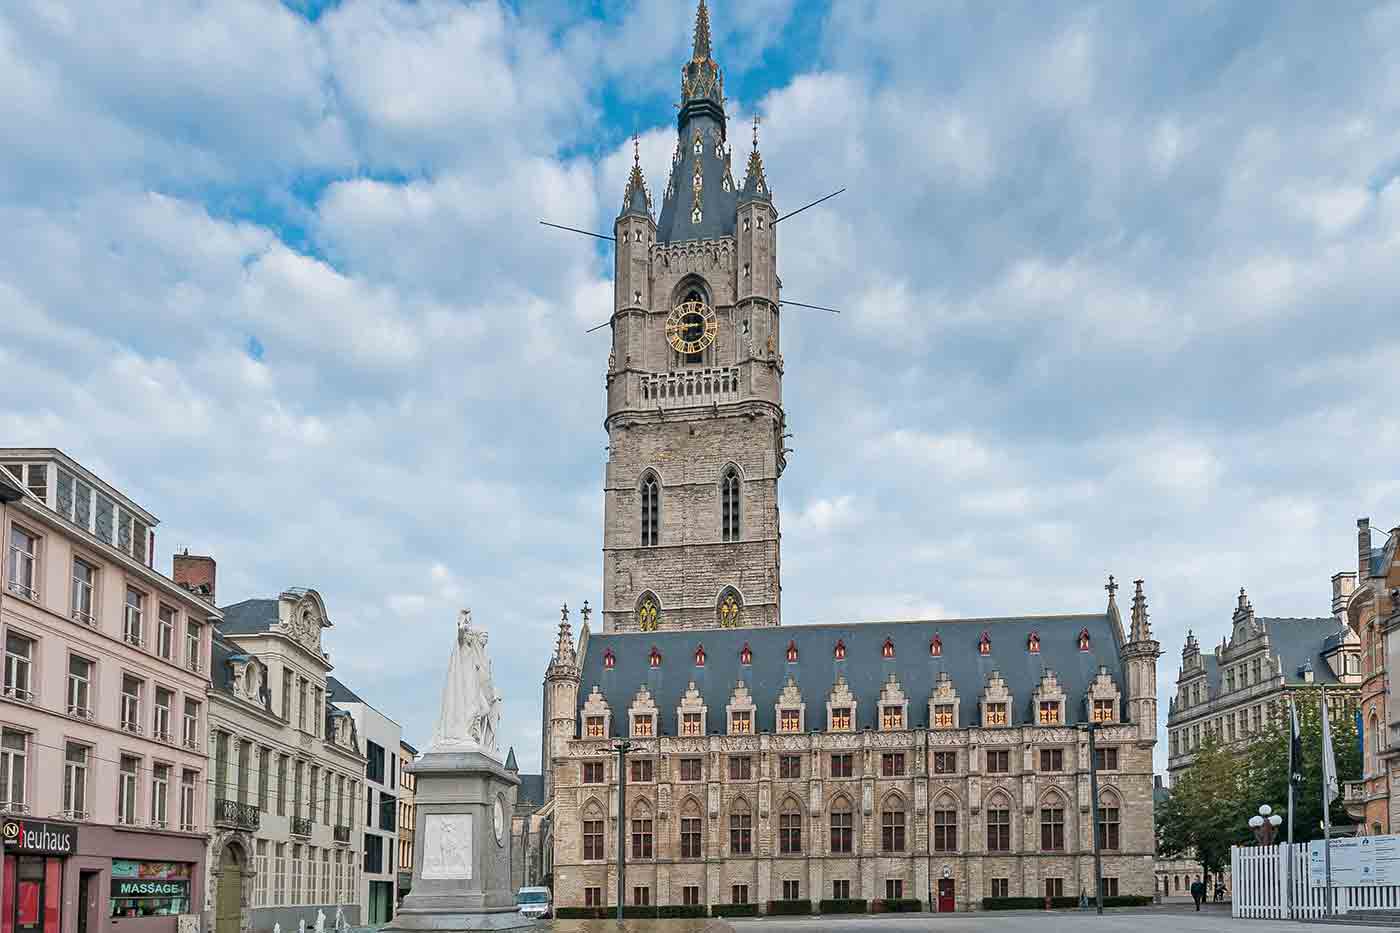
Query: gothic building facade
<point x="945" y="761"/>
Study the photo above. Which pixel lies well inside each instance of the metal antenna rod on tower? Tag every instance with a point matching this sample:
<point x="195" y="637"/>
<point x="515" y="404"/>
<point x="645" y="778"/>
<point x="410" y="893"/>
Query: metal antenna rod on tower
<point x="600" y="236"/>
<point x="805" y="206"/>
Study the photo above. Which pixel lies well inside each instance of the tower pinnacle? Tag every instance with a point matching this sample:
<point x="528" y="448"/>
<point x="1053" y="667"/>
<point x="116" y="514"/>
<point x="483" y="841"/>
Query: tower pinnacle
<point x="702" y="33"/>
<point x="636" y="197"/>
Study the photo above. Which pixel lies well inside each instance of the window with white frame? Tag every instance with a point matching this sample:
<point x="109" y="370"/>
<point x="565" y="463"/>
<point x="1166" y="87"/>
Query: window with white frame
<point x="131" y="704"/>
<point x="260" y="864"/>
<point x="84" y="590"/>
<point x="194" y="636"/>
<point x="133" y="618"/>
<point x="80" y="687"/>
<point x="161" y="727"/>
<point x="279" y="875"/>
<point x="127" y="779"/>
<point x="19" y="667"/>
<point x="24" y="563"/>
<point x="75" y="781"/>
<point x="190" y="736"/>
<point x="188" y="780"/>
<point x="165" y="633"/>
<point x="160" y="796"/>
<point x="14" y="760"/>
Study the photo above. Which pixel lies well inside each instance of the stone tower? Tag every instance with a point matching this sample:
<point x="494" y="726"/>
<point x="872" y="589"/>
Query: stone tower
<point x="1139" y="654"/>
<point x="694" y="384"/>
<point x="561" y="681"/>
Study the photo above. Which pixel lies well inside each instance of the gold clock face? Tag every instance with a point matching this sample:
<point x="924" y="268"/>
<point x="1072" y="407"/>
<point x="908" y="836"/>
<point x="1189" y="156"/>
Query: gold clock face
<point x="691" y="327"/>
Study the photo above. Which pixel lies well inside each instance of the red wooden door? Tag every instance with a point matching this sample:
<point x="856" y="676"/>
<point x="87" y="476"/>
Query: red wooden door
<point x="945" y="895"/>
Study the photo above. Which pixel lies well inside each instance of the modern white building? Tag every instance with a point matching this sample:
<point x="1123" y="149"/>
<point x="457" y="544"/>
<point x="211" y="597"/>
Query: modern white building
<point x="287" y="770"/>
<point x="381" y="737"/>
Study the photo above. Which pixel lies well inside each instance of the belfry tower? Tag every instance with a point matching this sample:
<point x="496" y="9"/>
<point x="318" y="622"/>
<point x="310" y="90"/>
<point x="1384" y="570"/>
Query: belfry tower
<point x="694" y="384"/>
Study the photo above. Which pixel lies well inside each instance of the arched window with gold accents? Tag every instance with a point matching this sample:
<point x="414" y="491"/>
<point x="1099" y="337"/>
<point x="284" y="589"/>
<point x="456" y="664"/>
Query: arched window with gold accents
<point x="648" y="612"/>
<point x="729" y="504"/>
<point x="651" y="509"/>
<point x="730" y="608"/>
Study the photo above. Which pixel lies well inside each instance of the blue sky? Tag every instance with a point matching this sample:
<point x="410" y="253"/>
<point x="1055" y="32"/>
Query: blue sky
<point x="1118" y="289"/>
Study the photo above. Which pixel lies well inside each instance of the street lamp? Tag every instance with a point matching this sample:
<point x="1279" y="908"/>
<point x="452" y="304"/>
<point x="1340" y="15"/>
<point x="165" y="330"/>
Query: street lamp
<point x="622" y="748"/>
<point x="1092" y="726"/>
<point x="1265" y="825"/>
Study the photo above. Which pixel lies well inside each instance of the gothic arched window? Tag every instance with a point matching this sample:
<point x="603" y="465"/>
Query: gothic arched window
<point x="731" y="607"/>
<point x="842" y="825"/>
<point x="887" y="649"/>
<point x="790" y="826"/>
<point x="651" y="510"/>
<point x="648" y="612"/>
<point x="935" y="647"/>
<point x="729" y="505"/>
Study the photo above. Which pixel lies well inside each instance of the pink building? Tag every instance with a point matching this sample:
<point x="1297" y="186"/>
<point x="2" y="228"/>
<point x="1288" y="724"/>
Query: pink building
<point x="103" y="763"/>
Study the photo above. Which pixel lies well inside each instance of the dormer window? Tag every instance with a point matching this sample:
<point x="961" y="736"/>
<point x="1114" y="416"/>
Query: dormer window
<point x="887" y="649"/>
<point x="1084" y="639"/>
<point x="841" y="719"/>
<point x="790" y="721"/>
<point x="746" y="654"/>
<point x="609" y="660"/>
<point x="700" y="656"/>
<point x="642" y="724"/>
<point x="1049" y="712"/>
<point x="892" y="717"/>
<point x="840" y="652"/>
<point x="691" y="724"/>
<point x="984" y="644"/>
<point x="594" y="727"/>
<point x="1103" y="711"/>
<point x="996" y="714"/>
<point x="741" y="722"/>
<point x="935" y="647"/>
<point x="943" y="716"/>
<point x="655" y="657"/>
<point x="1033" y="643"/>
<point x="792" y="652"/>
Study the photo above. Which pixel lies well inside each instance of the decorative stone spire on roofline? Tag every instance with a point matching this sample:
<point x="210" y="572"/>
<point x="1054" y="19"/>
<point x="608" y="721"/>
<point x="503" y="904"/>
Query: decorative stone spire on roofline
<point x="636" y="197"/>
<point x="1142" y="630"/>
<point x="701" y="79"/>
<point x="755" y="182"/>
<point x="564" y="653"/>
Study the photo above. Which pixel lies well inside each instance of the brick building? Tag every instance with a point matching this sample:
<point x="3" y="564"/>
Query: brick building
<point x="941" y="760"/>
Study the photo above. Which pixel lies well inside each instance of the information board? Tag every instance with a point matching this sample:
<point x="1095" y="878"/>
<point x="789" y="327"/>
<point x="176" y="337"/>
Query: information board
<point x="1356" y="860"/>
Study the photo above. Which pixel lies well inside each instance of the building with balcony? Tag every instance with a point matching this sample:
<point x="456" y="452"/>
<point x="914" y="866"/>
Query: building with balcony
<point x="286" y="768"/>
<point x="103" y="705"/>
<point x="1369" y="600"/>
<point x="1239" y="691"/>
<point x="382" y="738"/>
<point x="407" y="817"/>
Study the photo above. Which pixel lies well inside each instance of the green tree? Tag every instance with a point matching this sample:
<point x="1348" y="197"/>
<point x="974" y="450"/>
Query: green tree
<point x="1266" y="767"/>
<point x="1205" y="813"/>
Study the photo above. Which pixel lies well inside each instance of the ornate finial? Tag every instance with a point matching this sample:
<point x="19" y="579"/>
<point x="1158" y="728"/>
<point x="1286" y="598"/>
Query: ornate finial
<point x="1141" y="630"/>
<point x="1111" y="586"/>
<point x="702" y="33"/>
<point x="564" y="613"/>
<point x="636" y="197"/>
<point x="755" y="132"/>
<point x="636" y="149"/>
<point x="585" y="612"/>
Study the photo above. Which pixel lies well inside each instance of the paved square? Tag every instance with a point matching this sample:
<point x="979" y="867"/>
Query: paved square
<point x="1168" y="920"/>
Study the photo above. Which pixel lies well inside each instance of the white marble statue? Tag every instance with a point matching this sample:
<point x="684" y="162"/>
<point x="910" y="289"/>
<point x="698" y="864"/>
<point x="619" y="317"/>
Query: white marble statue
<point x="277" y="928"/>
<point x="301" y="925"/>
<point x="340" y="922"/>
<point x="320" y="920"/>
<point x="471" y="708"/>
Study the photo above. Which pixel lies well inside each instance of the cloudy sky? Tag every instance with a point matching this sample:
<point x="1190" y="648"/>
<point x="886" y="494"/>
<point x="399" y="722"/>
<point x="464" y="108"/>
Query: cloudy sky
<point x="1118" y="291"/>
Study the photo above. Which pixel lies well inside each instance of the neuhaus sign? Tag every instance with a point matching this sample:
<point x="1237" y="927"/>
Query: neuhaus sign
<point x="39" y="837"/>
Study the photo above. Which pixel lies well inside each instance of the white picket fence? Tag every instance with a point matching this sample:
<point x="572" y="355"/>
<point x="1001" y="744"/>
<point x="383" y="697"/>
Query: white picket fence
<point x="1261" y="877"/>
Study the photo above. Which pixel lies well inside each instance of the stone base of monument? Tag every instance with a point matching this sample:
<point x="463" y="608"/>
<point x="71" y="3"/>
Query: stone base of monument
<point x="461" y="846"/>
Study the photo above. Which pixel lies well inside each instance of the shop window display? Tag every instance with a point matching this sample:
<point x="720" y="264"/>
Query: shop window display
<point x="150" y="889"/>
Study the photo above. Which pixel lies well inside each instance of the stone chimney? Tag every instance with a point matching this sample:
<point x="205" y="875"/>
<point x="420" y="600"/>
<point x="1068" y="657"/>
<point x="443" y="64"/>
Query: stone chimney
<point x="195" y="573"/>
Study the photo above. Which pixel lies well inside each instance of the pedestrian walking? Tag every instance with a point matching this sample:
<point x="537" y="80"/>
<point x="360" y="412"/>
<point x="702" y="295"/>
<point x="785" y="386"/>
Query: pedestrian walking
<point x="1198" y="892"/>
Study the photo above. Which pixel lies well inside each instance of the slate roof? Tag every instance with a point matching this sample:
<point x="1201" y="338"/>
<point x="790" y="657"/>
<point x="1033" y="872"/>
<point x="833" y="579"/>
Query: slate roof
<point x="339" y="693"/>
<point x="718" y="208"/>
<point x="864" y="668"/>
<point x="1294" y="642"/>
<point x="249" y="617"/>
<point x="10" y="491"/>
<point x="531" y="789"/>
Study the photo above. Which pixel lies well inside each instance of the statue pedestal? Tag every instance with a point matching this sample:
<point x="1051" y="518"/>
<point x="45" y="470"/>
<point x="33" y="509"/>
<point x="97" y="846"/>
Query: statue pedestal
<point x="461" y="846"/>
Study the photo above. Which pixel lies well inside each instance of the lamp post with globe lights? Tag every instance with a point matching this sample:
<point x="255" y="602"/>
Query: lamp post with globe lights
<point x="1265" y="825"/>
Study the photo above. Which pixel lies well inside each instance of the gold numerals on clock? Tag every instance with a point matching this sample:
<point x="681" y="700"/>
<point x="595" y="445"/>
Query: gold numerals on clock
<point x="691" y="327"/>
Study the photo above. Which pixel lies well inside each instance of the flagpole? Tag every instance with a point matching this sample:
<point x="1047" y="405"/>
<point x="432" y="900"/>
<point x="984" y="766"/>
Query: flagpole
<point x="1292" y="771"/>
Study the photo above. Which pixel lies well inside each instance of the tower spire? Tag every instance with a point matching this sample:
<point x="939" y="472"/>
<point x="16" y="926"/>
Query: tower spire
<point x="701" y="81"/>
<point x="636" y="197"/>
<point x="702" y="33"/>
<point x="1141" y="631"/>
<point x="755" y="181"/>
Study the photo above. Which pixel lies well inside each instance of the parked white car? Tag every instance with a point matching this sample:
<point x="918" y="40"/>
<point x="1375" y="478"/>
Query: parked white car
<point x="533" y="902"/>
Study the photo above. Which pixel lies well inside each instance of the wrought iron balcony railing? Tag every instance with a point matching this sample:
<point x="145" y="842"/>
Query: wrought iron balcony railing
<point x="342" y="834"/>
<point x="301" y="826"/>
<point x="237" y="815"/>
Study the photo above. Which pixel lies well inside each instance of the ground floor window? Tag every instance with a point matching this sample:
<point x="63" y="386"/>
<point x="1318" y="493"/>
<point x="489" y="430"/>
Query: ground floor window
<point x="841" y="890"/>
<point x="1001" y="887"/>
<point x="34" y="891"/>
<point x="381" y="902"/>
<point x="894" y="888"/>
<point x="791" y="890"/>
<point x="690" y="895"/>
<point x="1110" y="887"/>
<point x="739" y="894"/>
<point x="150" y="889"/>
<point x="593" y="897"/>
<point x="641" y="896"/>
<point x="1054" y="887"/>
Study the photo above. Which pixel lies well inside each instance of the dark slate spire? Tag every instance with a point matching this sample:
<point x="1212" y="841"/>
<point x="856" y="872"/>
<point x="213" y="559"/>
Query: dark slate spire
<point x="700" y="78"/>
<point x="755" y="182"/>
<point x="636" y="199"/>
<point x="510" y="761"/>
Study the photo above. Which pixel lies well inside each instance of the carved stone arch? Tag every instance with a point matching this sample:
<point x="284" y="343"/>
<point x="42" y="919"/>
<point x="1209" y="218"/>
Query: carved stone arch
<point x="841" y="801"/>
<point x="647" y="611"/>
<point x="945" y="799"/>
<point x="893" y="800"/>
<point x="235" y="847"/>
<point x="692" y="282"/>
<point x="690" y="806"/>
<point x="999" y="799"/>
<point x="592" y="809"/>
<point x="1109" y="796"/>
<point x="729" y="607"/>
<point x="790" y="804"/>
<point x="1053" y="796"/>
<point x="641" y="808"/>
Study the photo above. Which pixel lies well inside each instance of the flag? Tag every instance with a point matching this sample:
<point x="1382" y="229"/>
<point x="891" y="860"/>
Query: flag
<point x="1330" y="787"/>
<point x="1295" y="749"/>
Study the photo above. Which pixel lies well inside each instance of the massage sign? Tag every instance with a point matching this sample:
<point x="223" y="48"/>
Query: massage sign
<point x="39" y="838"/>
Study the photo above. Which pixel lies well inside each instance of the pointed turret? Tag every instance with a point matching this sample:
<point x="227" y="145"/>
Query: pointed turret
<point x="510" y="761"/>
<point x="755" y="181"/>
<point x="1139" y="655"/>
<point x="1114" y="615"/>
<point x="564" y="654"/>
<point x="636" y="197"/>
<point x="561" y="680"/>
<point x="1142" y="630"/>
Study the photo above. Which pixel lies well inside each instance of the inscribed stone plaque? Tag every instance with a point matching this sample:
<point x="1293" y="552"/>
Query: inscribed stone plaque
<point x="447" y="846"/>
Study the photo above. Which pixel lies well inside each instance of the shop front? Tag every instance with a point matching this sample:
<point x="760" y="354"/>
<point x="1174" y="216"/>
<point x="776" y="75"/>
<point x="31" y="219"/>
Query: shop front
<point x="36" y="856"/>
<point x="130" y="880"/>
<point x="150" y="889"/>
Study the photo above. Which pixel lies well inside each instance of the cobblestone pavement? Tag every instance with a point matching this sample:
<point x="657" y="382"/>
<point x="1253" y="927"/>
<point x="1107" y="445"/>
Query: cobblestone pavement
<point x="1166" y="919"/>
